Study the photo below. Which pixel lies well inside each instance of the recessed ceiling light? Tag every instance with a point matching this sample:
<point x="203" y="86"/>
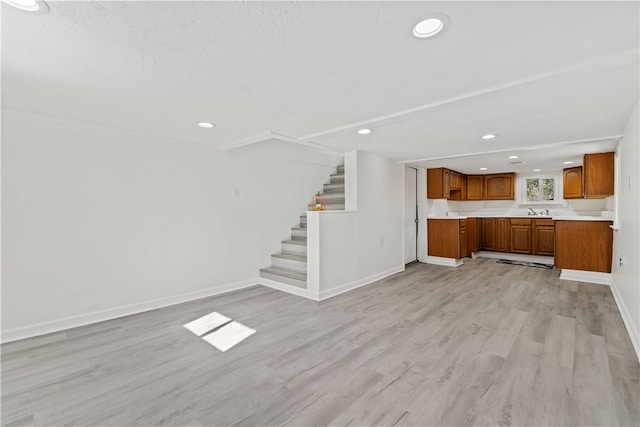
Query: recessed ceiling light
<point x="536" y="170"/>
<point x="483" y="169"/>
<point x="35" y="6"/>
<point x="489" y="136"/>
<point x="206" y="125"/>
<point x="567" y="163"/>
<point x="365" y="131"/>
<point x="512" y="157"/>
<point x="430" y="26"/>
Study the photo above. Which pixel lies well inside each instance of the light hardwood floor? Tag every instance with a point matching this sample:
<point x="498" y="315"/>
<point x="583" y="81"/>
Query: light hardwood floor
<point x="482" y="344"/>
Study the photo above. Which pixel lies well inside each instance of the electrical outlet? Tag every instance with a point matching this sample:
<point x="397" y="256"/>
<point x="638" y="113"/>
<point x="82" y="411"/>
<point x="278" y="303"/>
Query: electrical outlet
<point x="621" y="260"/>
<point x="382" y="242"/>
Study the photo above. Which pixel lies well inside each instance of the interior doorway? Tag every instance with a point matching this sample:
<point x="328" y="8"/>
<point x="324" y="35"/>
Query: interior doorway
<point x="410" y="214"/>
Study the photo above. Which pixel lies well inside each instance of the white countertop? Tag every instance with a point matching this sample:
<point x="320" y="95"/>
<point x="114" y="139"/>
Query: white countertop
<point x="555" y="218"/>
<point x="449" y="217"/>
<point x="581" y="218"/>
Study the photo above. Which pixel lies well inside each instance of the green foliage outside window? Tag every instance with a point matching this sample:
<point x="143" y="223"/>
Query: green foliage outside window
<point x="540" y="189"/>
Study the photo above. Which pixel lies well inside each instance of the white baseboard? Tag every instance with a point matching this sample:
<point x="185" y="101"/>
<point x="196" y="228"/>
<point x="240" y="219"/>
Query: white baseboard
<point x="586" y="276"/>
<point x="515" y="257"/>
<point x="447" y="262"/>
<point x="290" y="289"/>
<point x="634" y="335"/>
<point x="328" y="293"/>
<point x="69" y="322"/>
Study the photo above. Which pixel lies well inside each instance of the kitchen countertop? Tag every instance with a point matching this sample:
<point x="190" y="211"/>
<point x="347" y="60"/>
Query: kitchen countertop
<point x="555" y="218"/>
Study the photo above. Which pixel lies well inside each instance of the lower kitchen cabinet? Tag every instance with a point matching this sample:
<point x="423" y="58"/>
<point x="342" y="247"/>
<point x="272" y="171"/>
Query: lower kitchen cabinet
<point x="495" y="234"/>
<point x="543" y="236"/>
<point x="584" y="245"/>
<point x="447" y="238"/>
<point x="520" y="232"/>
<point x="473" y="235"/>
<point x="517" y="235"/>
<point x="502" y="234"/>
<point x="488" y="241"/>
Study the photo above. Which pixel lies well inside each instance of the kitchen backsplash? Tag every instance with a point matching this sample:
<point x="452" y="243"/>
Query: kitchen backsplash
<point x="588" y="207"/>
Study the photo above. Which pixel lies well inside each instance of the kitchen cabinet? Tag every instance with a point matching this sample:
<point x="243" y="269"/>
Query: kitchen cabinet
<point x="473" y="235"/>
<point x="463" y="239"/>
<point x="447" y="238"/>
<point x="454" y="180"/>
<point x="517" y="235"/>
<point x="584" y="245"/>
<point x="458" y="189"/>
<point x="444" y="183"/>
<point x="475" y="184"/>
<point x="438" y="183"/>
<point x="488" y="234"/>
<point x="502" y="235"/>
<point x="521" y="232"/>
<point x="499" y="186"/>
<point x="598" y="170"/>
<point x="572" y="183"/>
<point x="543" y="236"/>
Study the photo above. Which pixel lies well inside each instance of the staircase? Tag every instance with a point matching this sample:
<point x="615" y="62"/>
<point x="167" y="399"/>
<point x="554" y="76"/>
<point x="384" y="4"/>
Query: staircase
<point x="290" y="264"/>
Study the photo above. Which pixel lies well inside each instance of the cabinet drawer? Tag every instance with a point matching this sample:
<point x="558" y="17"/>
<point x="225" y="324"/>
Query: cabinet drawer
<point x="544" y="222"/>
<point x="521" y="221"/>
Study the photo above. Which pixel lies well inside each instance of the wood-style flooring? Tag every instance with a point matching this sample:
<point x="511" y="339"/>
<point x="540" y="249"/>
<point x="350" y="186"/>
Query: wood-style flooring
<point x="482" y="344"/>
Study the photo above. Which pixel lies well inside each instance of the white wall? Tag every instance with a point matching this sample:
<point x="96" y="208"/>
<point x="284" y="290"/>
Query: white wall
<point x="97" y="221"/>
<point x="359" y="247"/>
<point x="626" y="241"/>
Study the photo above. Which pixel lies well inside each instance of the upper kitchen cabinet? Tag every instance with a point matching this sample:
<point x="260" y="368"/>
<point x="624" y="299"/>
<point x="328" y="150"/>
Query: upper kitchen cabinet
<point x="438" y="184"/>
<point x="598" y="170"/>
<point x="475" y="184"/>
<point x="499" y="186"/>
<point x="572" y="183"/>
<point x="445" y="184"/>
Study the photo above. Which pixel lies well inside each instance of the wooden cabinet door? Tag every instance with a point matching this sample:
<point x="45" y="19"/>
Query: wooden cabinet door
<point x="499" y="186"/>
<point x="489" y="234"/>
<point x="502" y="235"/>
<point x="473" y="239"/>
<point x="463" y="240"/>
<point x="520" y="236"/>
<point x="543" y="240"/>
<point x="572" y="183"/>
<point x="452" y="181"/>
<point x="584" y="245"/>
<point x="463" y="187"/>
<point x="434" y="183"/>
<point x="598" y="170"/>
<point x="443" y="238"/>
<point x="446" y="183"/>
<point x="474" y="187"/>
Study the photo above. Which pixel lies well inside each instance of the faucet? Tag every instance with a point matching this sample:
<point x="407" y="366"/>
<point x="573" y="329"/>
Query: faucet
<point x="533" y="212"/>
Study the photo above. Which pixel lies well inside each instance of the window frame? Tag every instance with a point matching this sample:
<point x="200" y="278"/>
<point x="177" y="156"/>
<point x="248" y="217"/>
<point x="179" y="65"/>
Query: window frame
<point x="540" y="176"/>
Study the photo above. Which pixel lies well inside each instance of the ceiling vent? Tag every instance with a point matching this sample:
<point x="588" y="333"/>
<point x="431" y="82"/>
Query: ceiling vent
<point x="518" y="162"/>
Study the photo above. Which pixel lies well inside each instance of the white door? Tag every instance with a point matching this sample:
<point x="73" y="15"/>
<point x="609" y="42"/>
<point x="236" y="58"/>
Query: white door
<point x="410" y="214"/>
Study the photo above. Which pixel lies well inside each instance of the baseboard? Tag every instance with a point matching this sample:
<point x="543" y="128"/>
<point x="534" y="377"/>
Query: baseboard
<point x="294" y="290"/>
<point x="634" y="335"/>
<point x="447" y="262"/>
<point x="586" y="276"/>
<point x="328" y="293"/>
<point x="514" y="257"/>
<point x="69" y="322"/>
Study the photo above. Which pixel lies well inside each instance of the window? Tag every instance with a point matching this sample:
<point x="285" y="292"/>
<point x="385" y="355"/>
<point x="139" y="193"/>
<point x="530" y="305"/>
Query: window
<point x="540" y="189"/>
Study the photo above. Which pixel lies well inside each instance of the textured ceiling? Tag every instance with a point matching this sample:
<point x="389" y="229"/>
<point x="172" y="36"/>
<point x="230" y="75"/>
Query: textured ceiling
<point x="536" y="73"/>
